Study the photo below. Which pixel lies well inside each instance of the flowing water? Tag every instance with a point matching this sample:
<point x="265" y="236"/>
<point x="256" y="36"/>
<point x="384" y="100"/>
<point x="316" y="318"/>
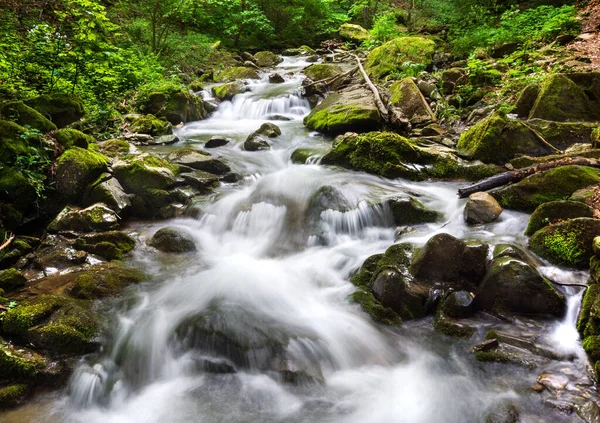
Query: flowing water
<point x="271" y="274"/>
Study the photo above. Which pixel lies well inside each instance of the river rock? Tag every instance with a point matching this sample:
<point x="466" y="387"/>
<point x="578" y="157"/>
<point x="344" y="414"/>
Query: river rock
<point x="408" y="99"/>
<point x="481" y="207"/>
<point x="390" y="57"/>
<point x="301" y="155"/>
<point x="568" y="243"/>
<point x="276" y="78"/>
<point x="56" y="253"/>
<point x="318" y="72"/>
<point x="111" y="245"/>
<point x="229" y="90"/>
<point x="11" y="279"/>
<point x="556" y="211"/>
<point x="198" y="160"/>
<point x="12" y="395"/>
<point x="18" y="363"/>
<point x="61" y="109"/>
<point x="203" y="182"/>
<point x="23" y="115"/>
<point x="395" y="291"/>
<point x="407" y="210"/>
<point x="266" y="59"/>
<point x="236" y="72"/>
<point x="95" y="218"/>
<point x="513" y="286"/>
<point x="552" y="185"/>
<point x="450" y="262"/>
<point x="217" y="141"/>
<point x="144" y="172"/>
<point x="172" y="240"/>
<point x="148" y="124"/>
<point x="268" y="130"/>
<point x="104" y="280"/>
<point x="256" y="142"/>
<point x="75" y="169"/>
<point x="326" y="197"/>
<point x="69" y="137"/>
<point x="175" y="106"/>
<point x="108" y="190"/>
<point x="350" y="110"/>
<point x="354" y="33"/>
<point x="458" y="304"/>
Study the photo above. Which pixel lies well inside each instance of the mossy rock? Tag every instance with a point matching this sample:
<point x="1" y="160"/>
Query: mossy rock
<point x="229" y="90"/>
<point x="513" y="286"/>
<point x="140" y="173"/>
<point x="149" y="124"/>
<point x="199" y="160"/>
<point x="107" y="190"/>
<point x="588" y="323"/>
<point x="375" y="309"/>
<point x="561" y="99"/>
<point x="407" y="210"/>
<point x="12" y="395"/>
<point x="20" y="113"/>
<point x="58" y="324"/>
<point x="389" y="57"/>
<point x="350" y="110"/>
<point x="61" y="109"/>
<point x="104" y="280"/>
<point x="111" y="245"/>
<point x="75" y="169"/>
<point x="11" y="279"/>
<point x="526" y="100"/>
<point x="301" y="155"/>
<point x="553" y="185"/>
<point x="451" y="327"/>
<point x="15" y="189"/>
<point x="113" y="148"/>
<point x="355" y="33"/>
<point x="556" y="211"/>
<point x="236" y="72"/>
<point x="595" y="137"/>
<point x="156" y="203"/>
<point x="175" y="105"/>
<point x="97" y="217"/>
<point x="18" y="363"/>
<point x="266" y="59"/>
<point x="69" y="137"/>
<point x="406" y="96"/>
<point x="320" y="71"/>
<point x="11" y="142"/>
<point x="567" y="243"/>
<point x="269" y="130"/>
<point x="173" y="240"/>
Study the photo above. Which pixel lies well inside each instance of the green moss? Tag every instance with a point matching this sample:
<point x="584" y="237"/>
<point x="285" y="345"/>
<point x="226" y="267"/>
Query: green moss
<point x="229" y="90"/>
<point x="11" y="143"/>
<point x="374" y="308"/>
<point x="334" y="116"/>
<point x="233" y="73"/>
<point x="560" y="99"/>
<point x="11" y="279"/>
<point x="144" y="172"/>
<point x="21" y="191"/>
<point x="595" y="137"/>
<point x="320" y="71"/>
<point x="20" y="113"/>
<point x="407" y="97"/>
<point x="62" y="109"/>
<point x="72" y="137"/>
<point x="301" y="155"/>
<point x="196" y="86"/>
<point x="555" y="211"/>
<point x="104" y="280"/>
<point x="150" y="124"/>
<point x="11" y="395"/>
<point x="173" y="103"/>
<point x="18" y="320"/>
<point x="388" y="58"/>
<point x="19" y="363"/>
<point x="76" y="168"/>
<point x="113" y="148"/>
<point x="354" y="33"/>
<point x="267" y="58"/>
<point x="110" y="245"/>
<point x="553" y="185"/>
<point x="452" y="328"/>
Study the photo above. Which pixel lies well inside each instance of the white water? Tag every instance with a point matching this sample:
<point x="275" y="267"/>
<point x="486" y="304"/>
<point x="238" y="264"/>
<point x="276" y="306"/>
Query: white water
<point x="271" y="274"/>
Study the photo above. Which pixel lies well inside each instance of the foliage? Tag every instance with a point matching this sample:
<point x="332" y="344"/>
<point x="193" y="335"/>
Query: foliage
<point x="35" y="164"/>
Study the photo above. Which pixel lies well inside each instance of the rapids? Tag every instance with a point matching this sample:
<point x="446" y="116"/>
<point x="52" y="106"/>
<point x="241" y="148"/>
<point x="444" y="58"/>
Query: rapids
<point x="272" y="281"/>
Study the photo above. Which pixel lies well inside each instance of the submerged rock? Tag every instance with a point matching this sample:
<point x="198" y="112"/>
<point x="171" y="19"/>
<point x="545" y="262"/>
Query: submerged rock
<point x="481" y="207"/>
<point x="555" y="212"/>
<point x="217" y="141"/>
<point x="173" y="240"/>
<point x="276" y="78"/>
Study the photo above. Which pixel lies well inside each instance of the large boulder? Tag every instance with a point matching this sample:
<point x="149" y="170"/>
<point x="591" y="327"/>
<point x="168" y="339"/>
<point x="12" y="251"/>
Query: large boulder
<point x="15" y="190"/>
<point x="318" y="72"/>
<point x="588" y="324"/>
<point x="266" y="59"/>
<point x="75" y="169"/>
<point x="229" y="90"/>
<point x="111" y="245"/>
<point x="109" y="191"/>
<point x="11" y="279"/>
<point x="95" y="218"/>
<point x="553" y="185"/>
<point x="407" y="210"/>
<point x="389" y="57"/>
<point x="450" y="262"/>
<point x="567" y="243"/>
<point x="19" y="363"/>
<point x="103" y="280"/>
<point x="198" y="160"/>
<point x="174" y="105"/>
<point x="20" y="113"/>
<point x="481" y="207"/>
<point x="69" y="137"/>
<point x="12" y="142"/>
<point x="146" y="171"/>
<point x="354" y="33"/>
<point x="148" y="124"/>
<point x="236" y="72"/>
<point x="556" y="211"/>
<point x="513" y="286"/>
<point x="61" y="109"/>
<point x="173" y="240"/>
<point x="408" y="99"/>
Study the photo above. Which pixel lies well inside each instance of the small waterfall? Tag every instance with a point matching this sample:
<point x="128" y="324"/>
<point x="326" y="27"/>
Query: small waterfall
<point x="249" y="107"/>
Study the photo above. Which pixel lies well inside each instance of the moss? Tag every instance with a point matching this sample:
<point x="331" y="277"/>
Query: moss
<point x="354" y="33"/>
<point x="11" y="143"/>
<point x="267" y="58"/>
<point x="62" y="109"/>
<point x="378" y="312"/>
<point x="595" y="137"/>
<point x="560" y="99"/>
<point x="363" y="277"/>
<point x="301" y="155"/>
<point x="18" y="320"/>
<point x="389" y="57"/>
<point x="21" y="193"/>
<point x="150" y="124"/>
<point x="19" y="363"/>
<point x="568" y="243"/>
<point x="104" y="280"/>
<point x="11" y="279"/>
<point x="552" y="185"/>
<point x="229" y="90"/>
<point x="11" y="395"/>
<point x="20" y="113"/>
<point x="526" y="100"/>
<point x="110" y="245"/>
<point x="144" y="172"/>
<point x="332" y="116"/>
<point x="555" y="211"/>
<point x="237" y="72"/>
<point x="406" y="96"/>
<point x="174" y="104"/>
<point x="76" y="168"/>
<point x="410" y="211"/>
<point x="452" y="328"/>
<point x="196" y="86"/>
<point x="320" y="71"/>
<point x="72" y="137"/>
<point x="113" y="148"/>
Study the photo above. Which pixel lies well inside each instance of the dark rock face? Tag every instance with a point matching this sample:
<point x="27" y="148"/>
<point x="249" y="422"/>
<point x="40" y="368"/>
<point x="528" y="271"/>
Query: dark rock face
<point x="407" y="210"/>
<point x="62" y="109"/>
<point x="172" y="240"/>
<point x="458" y="304"/>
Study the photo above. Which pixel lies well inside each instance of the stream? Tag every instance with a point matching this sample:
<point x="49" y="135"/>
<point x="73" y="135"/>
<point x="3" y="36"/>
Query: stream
<point x="274" y="277"/>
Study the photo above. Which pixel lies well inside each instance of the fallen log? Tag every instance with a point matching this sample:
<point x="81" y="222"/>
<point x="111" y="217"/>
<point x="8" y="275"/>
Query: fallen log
<point x="7" y="243"/>
<point x="516" y="175"/>
<point x="332" y="79"/>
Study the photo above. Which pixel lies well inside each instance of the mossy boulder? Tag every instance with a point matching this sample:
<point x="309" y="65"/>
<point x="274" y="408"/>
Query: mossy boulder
<point x="556" y="211"/>
<point x="229" y="90"/>
<point x="111" y="245"/>
<point x="12" y="395"/>
<point x="553" y="185"/>
<point x="354" y="33"/>
<point x="61" y="109"/>
<point x="11" y="142"/>
<point x="148" y="124"/>
<point x="173" y="240"/>
<point x="318" y="72"/>
<point x="97" y="217"/>
<point x="408" y="210"/>
<point x="20" y="113"/>
<point x="269" y="130"/>
<point x="140" y="173"/>
<point x="561" y="99"/>
<point x="350" y="110"/>
<point x="18" y="362"/>
<point x="113" y="148"/>
<point x="513" y="286"/>
<point x="11" y="279"/>
<point x="302" y="155"/>
<point x="451" y="262"/>
<point x="58" y="324"/>
<point x="75" y="169"/>
<point x="104" y="280"/>
<point x="15" y="189"/>
<point x="199" y="160"/>
<point x="266" y="59"/>
<point x="174" y="105"/>
<point x="458" y="305"/>
<point x="449" y="79"/>
<point x="389" y="57"/>
<point x="567" y="243"/>
<point x="406" y="96"/>
<point x="107" y="190"/>
<point x="588" y="324"/>
<point x="158" y="203"/>
<point x="595" y="137"/>
<point x="234" y="73"/>
<point x="69" y="137"/>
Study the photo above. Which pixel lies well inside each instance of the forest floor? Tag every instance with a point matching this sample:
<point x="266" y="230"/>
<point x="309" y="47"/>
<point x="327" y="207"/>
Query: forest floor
<point x="588" y="43"/>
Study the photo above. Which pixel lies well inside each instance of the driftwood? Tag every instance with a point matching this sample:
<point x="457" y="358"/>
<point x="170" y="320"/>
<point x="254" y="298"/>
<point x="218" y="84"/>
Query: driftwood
<point x="332" y="79"/>
<point x="388" y="112"/>
<point x="516" y="175"/>
<point x="7" y="242"/>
